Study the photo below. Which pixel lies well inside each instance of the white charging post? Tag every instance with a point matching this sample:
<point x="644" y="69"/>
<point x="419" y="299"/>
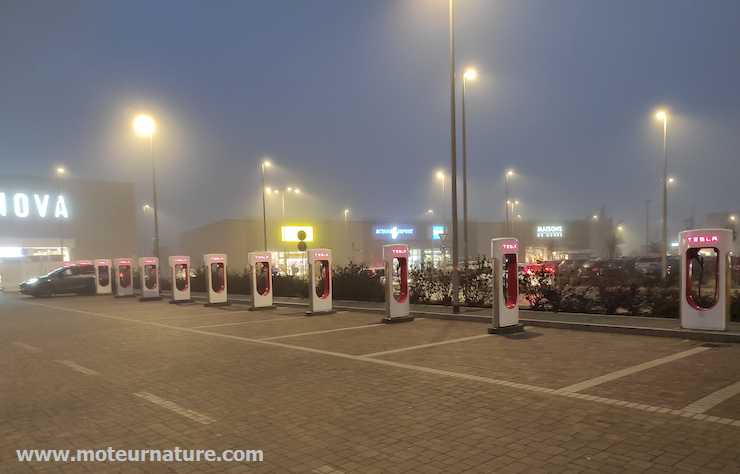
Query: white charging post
<point x="396" y="259"/>
<point x="320" y="281"/>
<point x="216" y="279"/>
<point x="705" y="278"/>
<point x="103" y="284"/>
<point x="505" y="286"/>
<point x="149" y="271"/>
<point x="260" y="268"/>
<point x="180" y="277"/>
<point x="123" y="269"/>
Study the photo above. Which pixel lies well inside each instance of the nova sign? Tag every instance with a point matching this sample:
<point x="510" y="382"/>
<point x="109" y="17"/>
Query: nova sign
<point x="23" y="205"/>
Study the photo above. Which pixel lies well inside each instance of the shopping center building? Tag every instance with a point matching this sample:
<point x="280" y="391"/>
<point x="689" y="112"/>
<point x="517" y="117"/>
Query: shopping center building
<point x="362" y="241"/>
<point x="46" y="221"/>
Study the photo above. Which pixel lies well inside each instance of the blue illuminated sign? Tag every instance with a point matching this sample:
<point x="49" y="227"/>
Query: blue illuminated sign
<point x="394" y="232"/>
<point x="436" y="230"/>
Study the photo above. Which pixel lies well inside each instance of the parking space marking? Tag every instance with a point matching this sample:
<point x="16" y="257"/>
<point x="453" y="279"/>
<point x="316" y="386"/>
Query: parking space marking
<point x="27" y="347"/>
<point x="175" y="408"/>
<point x="325" y="331"/>
<point x="476" y="378"/>
<point x="247" y="322"/>
<point x="713" y="399"/>
<point x="77" y="367"/>
<point x="586" y="384"/>
<point x="422" y="346"/>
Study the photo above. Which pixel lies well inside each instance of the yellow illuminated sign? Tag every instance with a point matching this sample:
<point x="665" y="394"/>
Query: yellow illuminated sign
<point x="290" y="233"/>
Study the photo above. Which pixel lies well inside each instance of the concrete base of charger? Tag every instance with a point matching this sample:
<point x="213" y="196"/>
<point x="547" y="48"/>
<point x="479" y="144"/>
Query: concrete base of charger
<point x="398" y="319"/>
<point x="261" y="308"/>
<point x="319" y="313"/>
<point x="513" y="329"/>
<point x="150" y="298"/>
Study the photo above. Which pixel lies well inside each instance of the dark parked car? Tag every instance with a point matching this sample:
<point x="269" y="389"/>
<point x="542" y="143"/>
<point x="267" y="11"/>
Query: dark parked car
<point x="79" y="279"/>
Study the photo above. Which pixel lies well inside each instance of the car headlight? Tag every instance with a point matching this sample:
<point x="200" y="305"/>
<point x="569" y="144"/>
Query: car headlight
<point x="32" y="281"/>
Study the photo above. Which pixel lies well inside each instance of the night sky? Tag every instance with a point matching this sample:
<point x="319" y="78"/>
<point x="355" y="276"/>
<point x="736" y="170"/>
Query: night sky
<point x="350" y="99"/>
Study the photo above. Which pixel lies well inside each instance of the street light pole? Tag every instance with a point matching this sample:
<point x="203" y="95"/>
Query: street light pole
<point x="154" y="196"/>
<point x="469" y="74"/>
<point x="264" y="204"/>
<point x="662" y="115"/>
<point x="145" y="126"/>
<point x="506" y="199"/>
<point x="453" y="164"/>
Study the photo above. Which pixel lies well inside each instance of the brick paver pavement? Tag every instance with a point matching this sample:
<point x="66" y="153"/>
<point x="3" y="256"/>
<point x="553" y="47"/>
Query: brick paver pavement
<point x="313" y="405"/>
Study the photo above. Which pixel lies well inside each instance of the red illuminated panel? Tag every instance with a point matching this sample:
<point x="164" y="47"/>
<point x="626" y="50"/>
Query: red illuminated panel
<point x="510" y="246"/>
<point x="702" y="239"/>
<point x="217" y="259"/>
<point x="262" y="258"/>
<point x="181" y="260"/>
<point x="150" y="261"/>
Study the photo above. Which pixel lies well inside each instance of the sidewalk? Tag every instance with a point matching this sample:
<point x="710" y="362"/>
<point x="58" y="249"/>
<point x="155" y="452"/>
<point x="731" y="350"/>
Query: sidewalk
<point x="649" y="326"/>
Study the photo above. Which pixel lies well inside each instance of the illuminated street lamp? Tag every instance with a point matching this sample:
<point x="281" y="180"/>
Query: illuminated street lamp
<point x="145" y="127"/>
<point x="61" y="173"/>
<point x="146" y="208"/>
<point x="470" y="74"/>
<point x="595" y="217"/>
<point x="263" y="165"/>
<point x="733" y="218"/>
<point x="288" y="190"/>
<point x="662" y="115"/>
<point x="507" y="176"/>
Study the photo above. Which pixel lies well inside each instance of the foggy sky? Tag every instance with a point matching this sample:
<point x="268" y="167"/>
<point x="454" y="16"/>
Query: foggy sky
<point x="350" y="100"/>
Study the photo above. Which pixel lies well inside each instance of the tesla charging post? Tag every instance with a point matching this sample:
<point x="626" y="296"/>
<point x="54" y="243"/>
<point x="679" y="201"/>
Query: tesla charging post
<point x="705" y="278"/>
<point x="215" y="264"/>
<point x="149" y="271"/>
<point x="260" y="270"/>
<point x="396" y="258"/>
<point x="505" y="286"/>
<point x="102" y="276"/>
<point x="123" y="269"/>
<point x="320" y="284"/>
<point x="180" y="273"/>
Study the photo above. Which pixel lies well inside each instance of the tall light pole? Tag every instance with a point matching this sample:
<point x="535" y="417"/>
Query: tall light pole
<point x="264" y="164"/>
<point x="453" y="164"/>
<point x="647" y="226"/>
<point x="470" y="74"/>
<point x="507" y="176"/>
<point x="662" y="115"/>
<point x="145" y="127"/>
<point x="60" y="172"/>
<point x="442" y="178"/>
<point x="348" y="230"/>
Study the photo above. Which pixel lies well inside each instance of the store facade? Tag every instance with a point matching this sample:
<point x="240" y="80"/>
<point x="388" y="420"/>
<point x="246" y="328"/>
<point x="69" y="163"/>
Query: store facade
<point x="44" y="222"/>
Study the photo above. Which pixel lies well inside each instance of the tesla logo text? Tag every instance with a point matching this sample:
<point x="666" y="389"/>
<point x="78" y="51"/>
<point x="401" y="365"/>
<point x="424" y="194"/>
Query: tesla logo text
<point x="509" y="246"/>
<point x="22" y="206"/>
<point x="702" y="239"/>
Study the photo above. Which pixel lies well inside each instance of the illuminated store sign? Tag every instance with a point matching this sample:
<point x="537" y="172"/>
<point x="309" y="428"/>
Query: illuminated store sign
<point x="437" y="230"/>
<point x="394" y="232"/>
<point x="549" y="232"/>
<point x="289" y="233"/>
<point x="22" y="206"/>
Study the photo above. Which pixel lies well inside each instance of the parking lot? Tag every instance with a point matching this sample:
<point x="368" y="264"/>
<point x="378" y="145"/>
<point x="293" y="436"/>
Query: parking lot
<point x="346" y="393"/>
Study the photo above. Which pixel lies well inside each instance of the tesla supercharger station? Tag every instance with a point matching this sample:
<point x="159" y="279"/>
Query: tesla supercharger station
<point x="180" y="274"/>
<point x="505" y="286"/>
<point x="396" y="258"/>
<point x="215" y="264"/>
<point x="260" y="268"/>
<point x="149" y="271"/>
<point x="123" y="269"/>
<point x="103" y="284"/>
<point x="320" y="283"/>
<point x="705" y="278"/>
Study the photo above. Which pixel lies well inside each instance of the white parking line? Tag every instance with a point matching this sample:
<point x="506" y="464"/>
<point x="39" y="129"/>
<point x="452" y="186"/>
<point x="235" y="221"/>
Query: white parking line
<point x="27" y="347"/>
<point x="77" y="367"/>
<point x="580" y="386"/>
<point x="325" y="331"/>
<point x="175" y="408"/>
<point x="714" y="399"/>
<point x="431" y="344"/>
<point x="505" y="383"/>
<point x="247" y="322"/>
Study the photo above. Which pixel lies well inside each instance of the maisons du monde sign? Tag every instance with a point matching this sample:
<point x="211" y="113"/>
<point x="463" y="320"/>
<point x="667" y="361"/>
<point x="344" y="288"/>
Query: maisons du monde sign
<point x="33" y="205"/>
